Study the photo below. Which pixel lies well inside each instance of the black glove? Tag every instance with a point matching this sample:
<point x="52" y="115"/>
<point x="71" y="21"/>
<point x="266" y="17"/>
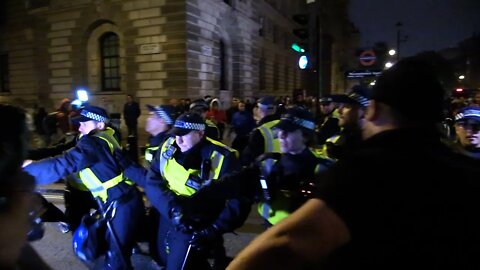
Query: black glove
<point x="178" y="217"/>
<point x="203" y="238"/>
<point x="122" y="157"/>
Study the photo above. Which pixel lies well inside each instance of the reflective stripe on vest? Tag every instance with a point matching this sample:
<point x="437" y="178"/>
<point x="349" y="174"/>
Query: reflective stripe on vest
<point x="75" y="181"/>
<point x="91" y="181"/>
<point x="149" y="153"/>
<point x="272" y="144"/>
<point x="333" y="140"/>
<point x="274" y="211"/>
<point x="176" y="175"/>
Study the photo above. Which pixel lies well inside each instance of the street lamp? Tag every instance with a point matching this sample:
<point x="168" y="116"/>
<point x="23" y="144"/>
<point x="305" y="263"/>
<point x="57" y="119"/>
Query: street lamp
<point x="461" y="77"/>
<point x="392" y="52"/>
<point x="388" y="65"/>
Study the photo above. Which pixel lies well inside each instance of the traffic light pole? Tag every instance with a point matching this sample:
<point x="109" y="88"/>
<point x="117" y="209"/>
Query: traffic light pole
<point x="315" y="33"/>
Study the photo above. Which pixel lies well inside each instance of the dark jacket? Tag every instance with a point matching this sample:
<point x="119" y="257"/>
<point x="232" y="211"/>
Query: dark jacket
<point x="131" y="112"/>
<point x="406" y="200"/>
<point x="137" y="172"/>
<point x="89" y="152"/>
<point x="243" y="123"/>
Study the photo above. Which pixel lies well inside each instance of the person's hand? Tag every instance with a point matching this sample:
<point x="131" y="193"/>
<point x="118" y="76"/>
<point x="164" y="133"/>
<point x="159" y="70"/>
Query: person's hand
<point x="26" y="163"/>
<point x="205" y="237"/>
<point x="179" y="218"/>
<point x="123" y="160"/>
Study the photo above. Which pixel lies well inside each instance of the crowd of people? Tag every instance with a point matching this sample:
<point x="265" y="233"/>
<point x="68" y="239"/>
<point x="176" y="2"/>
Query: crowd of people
<point x="372" y="181"/>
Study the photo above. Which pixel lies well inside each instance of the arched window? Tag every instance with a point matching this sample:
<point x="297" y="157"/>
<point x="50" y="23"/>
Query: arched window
<point x="110" y="62"/>
<point x="223" y="67"/>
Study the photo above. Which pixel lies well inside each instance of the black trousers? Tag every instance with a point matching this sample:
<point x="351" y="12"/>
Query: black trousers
<point x="77" y="204"/>
<point x="172" y="249"/>
<point x="125" y="225"/>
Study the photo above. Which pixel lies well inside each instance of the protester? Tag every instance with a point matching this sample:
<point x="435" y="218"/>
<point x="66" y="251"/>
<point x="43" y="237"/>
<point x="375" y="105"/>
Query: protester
<point x="403" y="200"/>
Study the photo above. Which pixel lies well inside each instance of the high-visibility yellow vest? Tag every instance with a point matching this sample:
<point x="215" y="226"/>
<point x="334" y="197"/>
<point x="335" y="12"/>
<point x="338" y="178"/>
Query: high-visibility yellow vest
<point x="177" y="176"/>
<point x="91" y="181"/>
<point x="271" y="144"/>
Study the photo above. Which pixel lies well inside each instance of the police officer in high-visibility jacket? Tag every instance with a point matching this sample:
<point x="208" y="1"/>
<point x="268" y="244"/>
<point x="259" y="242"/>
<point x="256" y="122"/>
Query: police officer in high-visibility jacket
<point x="93" y="159"/>
<point x="291" y="177"/>
<point x="159" y="122"/>
<point x="182" y="166"/>
<point x="263" y="139"/>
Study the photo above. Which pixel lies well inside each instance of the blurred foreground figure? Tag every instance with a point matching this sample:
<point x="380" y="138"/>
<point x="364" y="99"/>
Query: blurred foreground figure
<point x="403" y="200"/>
<point x="16" y="195"/>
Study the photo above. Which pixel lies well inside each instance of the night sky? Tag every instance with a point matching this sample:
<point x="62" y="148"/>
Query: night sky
<point x="429" y="24"/>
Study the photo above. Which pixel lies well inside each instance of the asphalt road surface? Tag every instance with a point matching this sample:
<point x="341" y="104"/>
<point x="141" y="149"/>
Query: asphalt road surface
<point x="56" y="248"/>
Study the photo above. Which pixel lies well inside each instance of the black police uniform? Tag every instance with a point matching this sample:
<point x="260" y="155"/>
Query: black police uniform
<point x="94" y="153"/>
<point x="167" y="193"/>
<point x="135" y="171"/>
<point x="78" y="199"/>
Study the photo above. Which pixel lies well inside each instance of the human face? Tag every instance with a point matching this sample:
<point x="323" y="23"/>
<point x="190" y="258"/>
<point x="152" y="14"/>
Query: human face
<point x="291" y="142"/>
<point x="189" y="140"/>
<point x="327" y="107"/>
<point x="155" y="124"/>
<point x="349" y="115"/>
<point x="241" y="106"/>
<point x="87" y="127"/>
<point x="468" y="133"/>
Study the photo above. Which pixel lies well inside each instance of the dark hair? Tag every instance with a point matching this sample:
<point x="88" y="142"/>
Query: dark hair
<point x="13" y="148"/>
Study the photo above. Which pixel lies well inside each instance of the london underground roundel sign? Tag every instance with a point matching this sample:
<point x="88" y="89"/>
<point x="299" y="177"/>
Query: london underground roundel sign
<point x="367" y="58"/>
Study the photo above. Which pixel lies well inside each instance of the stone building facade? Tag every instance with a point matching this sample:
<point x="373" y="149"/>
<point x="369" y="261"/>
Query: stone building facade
<point x="154" y="50"/>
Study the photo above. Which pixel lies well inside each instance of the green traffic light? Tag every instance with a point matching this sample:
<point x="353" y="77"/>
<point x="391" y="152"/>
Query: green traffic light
<point x="297" y="48"/>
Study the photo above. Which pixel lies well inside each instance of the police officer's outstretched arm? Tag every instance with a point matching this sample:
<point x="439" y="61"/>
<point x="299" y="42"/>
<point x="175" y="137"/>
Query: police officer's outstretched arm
<point x="49" y="170"/>
<point x="132" y="170"/>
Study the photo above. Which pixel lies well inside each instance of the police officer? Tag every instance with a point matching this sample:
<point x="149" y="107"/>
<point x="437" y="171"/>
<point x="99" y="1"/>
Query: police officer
<point x="200" y="107"/>
<point x="467" y="128"/>
<point x="262" y="139"/>
<point x="182" y="166"/>
<point x="159" y="122"/>
<point x="328" y="122"/>
<point x="351" y="114"/>
<point x="93" y="159"/>
<point x="290" y="180"/>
